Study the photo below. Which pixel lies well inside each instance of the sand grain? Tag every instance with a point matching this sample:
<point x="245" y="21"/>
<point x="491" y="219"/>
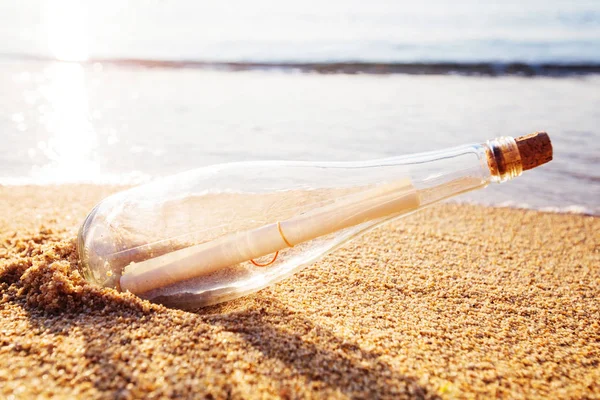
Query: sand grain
<point x="455" y="301"/>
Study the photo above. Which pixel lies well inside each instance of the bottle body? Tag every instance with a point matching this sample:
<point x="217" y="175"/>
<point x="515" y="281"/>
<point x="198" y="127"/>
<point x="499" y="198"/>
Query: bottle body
<point x="222" y="232"/>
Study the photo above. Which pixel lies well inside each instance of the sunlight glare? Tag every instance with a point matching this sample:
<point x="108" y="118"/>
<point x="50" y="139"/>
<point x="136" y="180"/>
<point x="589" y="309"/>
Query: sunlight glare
<point x="67" y="30"/>
<point x="72" y="143"/>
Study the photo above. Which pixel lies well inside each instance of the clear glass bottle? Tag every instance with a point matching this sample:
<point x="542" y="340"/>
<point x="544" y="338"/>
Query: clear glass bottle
<point x="220" y="232"/>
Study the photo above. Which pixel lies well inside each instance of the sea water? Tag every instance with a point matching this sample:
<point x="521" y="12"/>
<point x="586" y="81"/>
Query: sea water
<point x="123" y="92"/>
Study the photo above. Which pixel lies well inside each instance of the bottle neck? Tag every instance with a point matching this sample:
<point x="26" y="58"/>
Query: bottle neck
<point x="503" y="159"/>
<point x="467" y="168"/>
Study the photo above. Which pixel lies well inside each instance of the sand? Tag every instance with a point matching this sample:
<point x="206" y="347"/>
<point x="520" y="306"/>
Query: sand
<point x="455" y="301"/>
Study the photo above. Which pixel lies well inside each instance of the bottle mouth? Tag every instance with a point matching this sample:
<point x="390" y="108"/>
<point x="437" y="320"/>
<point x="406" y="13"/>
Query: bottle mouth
<point x="504" y="159"/>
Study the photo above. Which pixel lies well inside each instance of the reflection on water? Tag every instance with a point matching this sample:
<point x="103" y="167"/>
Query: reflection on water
<point x="71" y="141"/>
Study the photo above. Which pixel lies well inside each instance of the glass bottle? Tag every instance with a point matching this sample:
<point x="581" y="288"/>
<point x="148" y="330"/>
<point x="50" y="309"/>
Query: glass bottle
<point x="224" y="231"/>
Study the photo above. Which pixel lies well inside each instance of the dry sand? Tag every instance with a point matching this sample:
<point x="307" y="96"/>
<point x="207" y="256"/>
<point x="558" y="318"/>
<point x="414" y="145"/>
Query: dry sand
<point x="455" y="301"/>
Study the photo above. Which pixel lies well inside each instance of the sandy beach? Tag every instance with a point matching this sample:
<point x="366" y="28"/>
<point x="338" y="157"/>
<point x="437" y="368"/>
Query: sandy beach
<point x="456" y="301"/>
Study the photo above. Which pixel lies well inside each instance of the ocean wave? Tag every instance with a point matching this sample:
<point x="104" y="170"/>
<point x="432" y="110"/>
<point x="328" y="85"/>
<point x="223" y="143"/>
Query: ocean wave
<point x="549" y="69"/>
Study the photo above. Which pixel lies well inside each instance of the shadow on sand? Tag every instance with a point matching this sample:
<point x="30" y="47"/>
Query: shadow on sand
<point x="285" y="338"/>
<point x="324" y="359"/>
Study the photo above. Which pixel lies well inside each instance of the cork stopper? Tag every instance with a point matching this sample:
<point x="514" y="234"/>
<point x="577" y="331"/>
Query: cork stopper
<point x="535" y="149"/>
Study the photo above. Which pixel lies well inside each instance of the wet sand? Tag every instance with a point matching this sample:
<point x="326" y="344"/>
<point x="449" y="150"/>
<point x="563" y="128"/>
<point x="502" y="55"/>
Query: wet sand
<point x="455" y="301"/>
